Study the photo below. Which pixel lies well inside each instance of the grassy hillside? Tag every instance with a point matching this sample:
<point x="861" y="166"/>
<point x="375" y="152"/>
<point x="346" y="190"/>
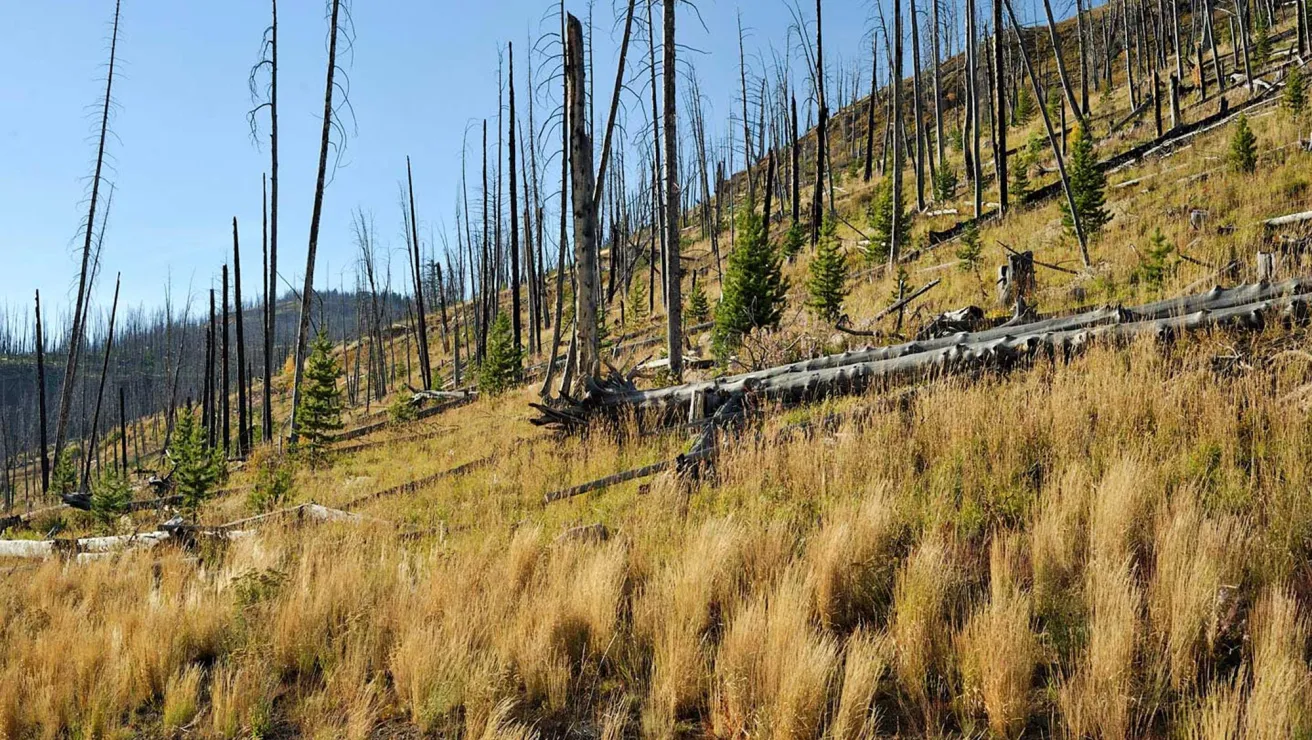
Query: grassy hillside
<point x="1114" y="546"/>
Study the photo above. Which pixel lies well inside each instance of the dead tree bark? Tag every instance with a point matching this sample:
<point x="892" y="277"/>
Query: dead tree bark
<point x="822" y="131"/>
<point x="895" y="122"/>
<point x="270" y="310"/>
<point x="425" y="364"/>
<point x="41" y="399"/>
<point x="916" y="112"/>
<point x="123" y="429"/>
<point x="870" y="110"/>
<point x="74" y="351"/>
<point x="307" y="290"/>
<point x="794" y="167"/>
<point x="972" y="96"/>
<point x="100" y="392"/>
<point x="1061" y="64"/>
<point x="226" y="390"/>
<point x="243" y="422"/>
<point x="1000" y="109"/>
<point x="747" y="133"/>
<point x="585" y="213"/>
<point x="565" y="130"/>
<point x="673" y="201"/>
<point x="270" y="218"/>
<point x="516" y="327"/>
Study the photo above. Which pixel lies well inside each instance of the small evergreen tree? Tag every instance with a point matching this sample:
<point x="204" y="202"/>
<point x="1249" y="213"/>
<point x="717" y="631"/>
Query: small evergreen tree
<point x="198" y="468"/>
<point x="880" y="217"/>
<point x="1019" y="187"/>
<point x="1025" y="107"/>
<point x="501" y="366"/>
<point x="827" y="284"/>
<point x="1088" y="188"/>
<point x="970" y="250"/>
<point x="110" y="496"/>
<point x="63" y="479"/>
<point x="699" y="309"/>
<point x="1243" y="147"/>
<point x="321" y="403"/>
<point x="945" y="183"/>
<point x="273" y="483"/>
<point x="1154" y="265"/>
<point x="754" y="287"/>
<point x="1296" y="92"/>
<point x="1261" y="41"/>
<point x="794" y="239"/>
<point x="637" y="300"/>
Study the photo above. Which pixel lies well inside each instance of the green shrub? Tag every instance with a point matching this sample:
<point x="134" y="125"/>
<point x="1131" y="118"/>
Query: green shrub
<point x="110" y="496"/>
<point x="500" y="367"/>
<point x="1154" y="264"/>
<point x="1243" y="147"/>
<point x="971" y="250"/>
<point x="273" y="483"/>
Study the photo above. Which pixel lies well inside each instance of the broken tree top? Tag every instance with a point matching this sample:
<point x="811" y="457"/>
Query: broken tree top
<point x="1244" y="306"/>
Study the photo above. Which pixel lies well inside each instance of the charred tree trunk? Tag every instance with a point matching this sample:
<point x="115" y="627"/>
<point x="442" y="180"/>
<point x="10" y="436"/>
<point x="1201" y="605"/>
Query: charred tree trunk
<point x="794" y="167"/>
<point x="673" y="268"/>
<point x="916" y="111"/>
<point x="243" y="421"/>
<point x="822" y="131"/>
<point x="270" y="309"/>
<point x="1000" y="108"/>
<point x="100" y="391"/>
<point x="870" y="109"/>
<point x="895" y="121"/>
<point x="41" y="399"/>
<point x="585" y="213"/>
<point x="307" y="290"/>
<point x="421" y="324"/>
<point x="1061" y="63"/>
<point x="74" y="351"/>
<point x="516" y="327"/>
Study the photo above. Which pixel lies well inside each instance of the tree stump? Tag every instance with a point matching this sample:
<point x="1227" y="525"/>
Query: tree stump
<point x="1016" y="279"/>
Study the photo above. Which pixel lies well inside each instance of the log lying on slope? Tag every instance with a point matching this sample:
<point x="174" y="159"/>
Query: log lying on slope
<point x="853" y="372"/>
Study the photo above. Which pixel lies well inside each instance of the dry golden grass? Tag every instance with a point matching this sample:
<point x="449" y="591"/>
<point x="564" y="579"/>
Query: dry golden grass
<point x="1112" y="547"/>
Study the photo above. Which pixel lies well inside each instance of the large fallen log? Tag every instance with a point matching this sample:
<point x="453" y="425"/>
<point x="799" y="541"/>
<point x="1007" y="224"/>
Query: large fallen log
<point x="16" y="520"/>
<point x="1001" y="347"/>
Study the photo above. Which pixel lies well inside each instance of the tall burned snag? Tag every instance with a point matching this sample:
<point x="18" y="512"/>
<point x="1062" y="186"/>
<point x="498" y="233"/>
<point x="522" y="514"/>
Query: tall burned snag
<point x="673" y="270"/>
<point x="269" y="59"/>
<point x="329" y="118"/>
<point x="243" y="421"/>
<point x="585" y="215"/>
<point x="74" y="350"/>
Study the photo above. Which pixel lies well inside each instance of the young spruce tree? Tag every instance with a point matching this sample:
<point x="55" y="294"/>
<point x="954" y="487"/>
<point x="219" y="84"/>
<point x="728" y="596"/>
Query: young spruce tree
<point x="1088" y="188"/>
<point x="881" y="222"/>
<point x="321" y="403"/>
<point x="698" y="309"/>
<point x="501" y="366"/>
<point x="1296" y="92"/>
<point x="199" y="468"/>
<point x="827" y="284"/>
<point x="754" y="287"/>
<point x="1243" y="147"/>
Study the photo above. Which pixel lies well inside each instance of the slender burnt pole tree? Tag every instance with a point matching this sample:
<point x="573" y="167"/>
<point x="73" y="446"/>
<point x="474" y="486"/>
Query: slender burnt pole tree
<point x="587" y="347"/>
<point x="269" y="59"/>
<point x="100" y="392"/>
<point x="74" y="351"/>
<point x="41" y="399"/>
<point x="1000" y="111"/>
<point x="515" y="318"/>
<point x="243" y="421"/>
<point x="225" y="400"/>
<point x="316" y="213"/>
<point x="673" y="201"/>
<point x="425" y="365"/>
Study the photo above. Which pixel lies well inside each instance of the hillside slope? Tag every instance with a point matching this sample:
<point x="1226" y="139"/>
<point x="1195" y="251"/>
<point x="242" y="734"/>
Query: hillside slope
<point x="1113" y="545"/>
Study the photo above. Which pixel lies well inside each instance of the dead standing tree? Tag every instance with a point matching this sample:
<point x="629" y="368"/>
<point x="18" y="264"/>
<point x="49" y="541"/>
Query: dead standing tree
<point x="673" y="201"/>
<point x="421" y="326"/>
<point x="587" y="347"/>
<point x="269" y="58"/>
<point x="243" y="420"/>
<point x="329" y="120"/>
<point x="83" y="287"/>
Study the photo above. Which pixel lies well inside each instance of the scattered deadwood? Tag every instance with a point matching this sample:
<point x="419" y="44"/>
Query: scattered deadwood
<point x="852" y="372"/>
<point x="419" y="483"/>
<point x="844" y="327"/>
<point x="466" y="397"/>
<point x="422" y="397"/>
<point x="362" y="446"/>
<point x="17" y="520"/>
<point x="593" y="533"/>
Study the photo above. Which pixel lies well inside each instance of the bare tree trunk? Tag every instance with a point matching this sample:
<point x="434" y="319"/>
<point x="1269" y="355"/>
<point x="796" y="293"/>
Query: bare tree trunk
<point x="895" y="73"/>
<point x="425" y="364"/>
<point x="585" y="214"/>
<point x="822" y="131"/>
<point x="565" y="130"/>
<point x="1000" y="111"/>
<point x="659" y="225"/>
<point x="673" y="269"/>
<point x="1061" y="63"/>
<point x="794" y="167"/>
<point x="123" y="429"/>
<point x="272" y="295"/>
<point x="270" y="308"/>
<point x="747" y="133"/>
<point x="243" y="422"/>
<point x="972" y="93"/>
<point x="41" y="398"/>
<point x="100" y="392"/>
<point x="1056" y="147"/>
<point x="225" y="401"/>
<point x="1084" y="58"/>
<point x="307" y="290"/>
<point x="870" y="110"/>
<point x="79" y="329"/>
<point x="938" y="90"/>
<point x="917" y="114"/>
<point x="515" y="319"/>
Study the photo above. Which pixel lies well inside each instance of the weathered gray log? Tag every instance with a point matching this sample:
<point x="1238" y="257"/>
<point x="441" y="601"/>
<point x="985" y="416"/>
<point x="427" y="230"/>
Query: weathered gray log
<point x="420" y="397"/>
<point x="999" y="346"/>
<point x="415" y="485"/>
<point x="1289" y="220"/>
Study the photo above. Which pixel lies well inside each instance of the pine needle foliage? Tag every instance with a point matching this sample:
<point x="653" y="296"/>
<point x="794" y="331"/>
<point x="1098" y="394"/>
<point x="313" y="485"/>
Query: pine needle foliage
<point x="827" y="284"/>
<point x="199" y="468"/>
<point x="501" y="366"/>
<point x="754" y="287"/>
<point x="1088" y="186"/>
<point x="321" y="405"/>
<point x="1243" y="147"/>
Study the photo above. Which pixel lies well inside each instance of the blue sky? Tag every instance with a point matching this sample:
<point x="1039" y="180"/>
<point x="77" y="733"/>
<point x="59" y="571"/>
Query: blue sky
<point x="183" y="161"/>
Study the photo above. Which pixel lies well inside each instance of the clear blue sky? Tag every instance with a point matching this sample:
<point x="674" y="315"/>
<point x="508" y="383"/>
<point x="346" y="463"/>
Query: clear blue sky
<point x="182" y="158"/>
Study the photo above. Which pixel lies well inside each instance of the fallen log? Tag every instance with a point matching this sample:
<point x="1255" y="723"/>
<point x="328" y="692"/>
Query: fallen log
<point x="415" y="485"/>
<point x="853" y="371"/>
<point x="16" y="520"/>
<point x="364" y="431"/>
<point x="1288" y="220"/>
